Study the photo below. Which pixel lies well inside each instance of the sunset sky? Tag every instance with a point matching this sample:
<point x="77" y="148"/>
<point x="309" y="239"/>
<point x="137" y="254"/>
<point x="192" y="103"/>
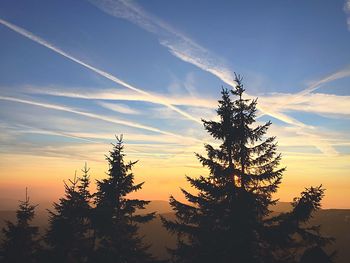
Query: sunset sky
<point x="75" y="73"/>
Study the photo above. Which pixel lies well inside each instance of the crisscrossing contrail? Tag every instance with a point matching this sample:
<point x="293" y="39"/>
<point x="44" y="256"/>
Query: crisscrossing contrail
<point x="105" y="74"/>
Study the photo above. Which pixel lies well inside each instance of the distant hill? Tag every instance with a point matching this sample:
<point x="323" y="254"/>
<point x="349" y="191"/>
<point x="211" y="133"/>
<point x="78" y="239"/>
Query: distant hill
<point x="39" y="220"/>
<point x="159" y="206"/>
<point x="334" y="222"/>
<point x="10" y="204"/>
<point x="282" y="207"/>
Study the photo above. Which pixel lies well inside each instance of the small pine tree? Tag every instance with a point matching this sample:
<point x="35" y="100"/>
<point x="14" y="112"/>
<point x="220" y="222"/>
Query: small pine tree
<point x="115" y="221"/>
<point x="20" y="239"/>
<point x="69" y="233"/>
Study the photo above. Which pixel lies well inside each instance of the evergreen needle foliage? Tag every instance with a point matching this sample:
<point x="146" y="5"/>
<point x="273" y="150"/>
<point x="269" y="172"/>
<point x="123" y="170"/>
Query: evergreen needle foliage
<point x="226" y="220"/>
<point x="114" y="218"/>
<point x="20" y="239"/>
<point x="69" y="234"/>
<point x="290" y="237"/>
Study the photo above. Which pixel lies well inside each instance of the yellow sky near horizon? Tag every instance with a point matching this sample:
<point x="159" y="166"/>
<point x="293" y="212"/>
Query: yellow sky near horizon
<point x="44" y="176"/>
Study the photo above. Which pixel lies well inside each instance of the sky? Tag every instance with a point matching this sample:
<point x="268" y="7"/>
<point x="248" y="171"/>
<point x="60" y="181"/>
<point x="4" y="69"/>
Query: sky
<point x="73" y="74"/>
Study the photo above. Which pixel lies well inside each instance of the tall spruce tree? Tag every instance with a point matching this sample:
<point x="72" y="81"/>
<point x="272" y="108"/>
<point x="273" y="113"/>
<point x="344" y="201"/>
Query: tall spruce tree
<point x="114" y="220"/>
<point x="226" y="220"/>
<point x="20" y="242"/>
<point x="222" y="222"/>
<point x="69" y="234"/>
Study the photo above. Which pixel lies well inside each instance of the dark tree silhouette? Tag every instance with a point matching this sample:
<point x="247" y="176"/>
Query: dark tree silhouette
<point x="114" y="220"/>
<point x="291" y="238"/>
<point x="20" y="239"/>
<point x="69" y="234"/>
<point x="222" y="222"/>
<point x="225" y="220"/>
<point x="315" y="254"/>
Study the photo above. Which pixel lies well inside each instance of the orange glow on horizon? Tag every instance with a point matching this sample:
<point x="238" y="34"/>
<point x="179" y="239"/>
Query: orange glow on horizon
<point x="44" y="177"/>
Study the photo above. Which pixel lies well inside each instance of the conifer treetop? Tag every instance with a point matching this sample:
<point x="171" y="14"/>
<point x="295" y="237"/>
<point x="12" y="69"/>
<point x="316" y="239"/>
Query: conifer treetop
<point x="26" y="210"/>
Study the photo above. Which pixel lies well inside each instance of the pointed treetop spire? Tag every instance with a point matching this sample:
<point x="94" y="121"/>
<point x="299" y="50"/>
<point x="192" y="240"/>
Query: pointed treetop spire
<point x="238" y="90"/>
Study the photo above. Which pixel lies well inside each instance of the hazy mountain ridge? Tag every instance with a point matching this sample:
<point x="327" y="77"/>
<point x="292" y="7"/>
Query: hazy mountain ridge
<point x="334" y="222"/>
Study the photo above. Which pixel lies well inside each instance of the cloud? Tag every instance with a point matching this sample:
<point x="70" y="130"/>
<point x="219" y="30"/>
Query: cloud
<point x="148" y="147"/>
<point x="193" y="102"/>
<point x="347" y="11"/>
<point x="294" y="99"/>
<point x="121" y="108"/>
<point x="110" y="94"/>
<point x="182" y="47"/>
<point x="187" y="50"/>
<point x="343" y="73"/>
<point x="27" y="129"/>
<point x="201" y="60"/>
<point x="328" y="105"/>
<point x="291" y="138"/>
<point x="91" y="115"/>
<point x="105" y="74"/>
<point x="90" y="152"/>
<point x="136" y="138"/>
<point x="316" y="103"/>
<point x="319" y="103"/>
<point x="317" y="140"/>
<point x="177" y="43"/>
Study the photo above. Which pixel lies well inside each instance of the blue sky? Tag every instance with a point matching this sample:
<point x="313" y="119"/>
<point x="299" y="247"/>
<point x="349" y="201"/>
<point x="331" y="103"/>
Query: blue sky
<point x="73" y="73"/>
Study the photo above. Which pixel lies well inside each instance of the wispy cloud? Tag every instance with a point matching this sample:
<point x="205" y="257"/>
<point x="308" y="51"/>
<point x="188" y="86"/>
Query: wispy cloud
<point x="137" y="138"/>
<point x="90" y="152"/>
<point x="183" y="48"/>
<point x="328" y="105"/>
<point x="347" y="11"/>
<point x="121" y="108"/>
<point x="119" y="95"/>
<point x="318" y="103"/>
<point x="275" y="108"/>
<point x="90" y="115"/>
<point x="149" y="147"/>
<point x="105" y="74"/>
<point x="291" y="138"/>
<point x="343" y="73"/>
<point x="189" y="51"/>
<point x="177" y="43"/>
<point x="24" y="129"/>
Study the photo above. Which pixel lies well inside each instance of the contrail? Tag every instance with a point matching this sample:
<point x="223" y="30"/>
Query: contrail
<point x="57" y="133"/>
<point x="344" y="73"/>
<point x="347" y="11"/>
<point x="185" y="49"/>
<point x="124" y="95"/>
<point x="189" y="55"/>
<point x="176" y="42"/>
<point x="335" y="76"/>
<point x="105" y="74"/>
<point x="94" y="116"/>
<point x="178" y="45"/>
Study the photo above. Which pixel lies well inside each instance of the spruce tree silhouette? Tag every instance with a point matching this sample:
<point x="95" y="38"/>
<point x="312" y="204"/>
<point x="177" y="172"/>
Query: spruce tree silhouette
<point x="69" y="234"/>
<point x="225" y="220"/>
<point x="20" y="239"/>
<point x="290" y="236"/>
<point x="222" y="222"/>
<point x="114" y="219"/>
